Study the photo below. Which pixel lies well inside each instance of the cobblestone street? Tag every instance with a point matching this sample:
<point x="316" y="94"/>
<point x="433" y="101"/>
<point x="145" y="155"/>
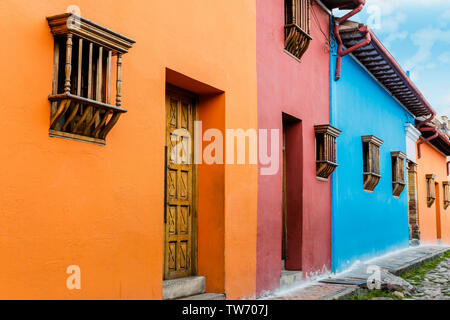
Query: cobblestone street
<point x="425" y="271"/>
<point x="435" y="285"/>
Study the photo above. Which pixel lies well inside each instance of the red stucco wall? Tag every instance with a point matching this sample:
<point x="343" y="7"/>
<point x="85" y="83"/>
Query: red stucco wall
<point x="302" y="91"/>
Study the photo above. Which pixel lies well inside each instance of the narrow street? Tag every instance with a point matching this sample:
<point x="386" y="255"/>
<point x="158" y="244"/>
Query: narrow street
<point x="435" y="285"/>
<point x="417" y="273"/>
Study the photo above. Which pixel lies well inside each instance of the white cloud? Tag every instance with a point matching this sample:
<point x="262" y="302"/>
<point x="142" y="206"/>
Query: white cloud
<point x="445" y="107"/>
<point x="414" y="75"/>
<point x="385" y="16"/>
<point x="444" y="18"/>
<point x="394" y="36"/>
<point x="446" y="99"/>
<point x="389" y="6"/>
<point x="424" y="40"/>
<point x="444" y="57"/>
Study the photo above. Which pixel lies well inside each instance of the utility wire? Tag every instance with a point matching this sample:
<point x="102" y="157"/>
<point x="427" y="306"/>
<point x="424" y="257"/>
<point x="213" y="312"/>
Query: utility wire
<point x="316" y="21"/>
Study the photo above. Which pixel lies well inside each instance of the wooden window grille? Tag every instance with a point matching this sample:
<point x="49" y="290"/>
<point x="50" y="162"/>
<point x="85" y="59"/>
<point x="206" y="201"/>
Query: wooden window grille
<point x="81" y="107"/>
<point x="297" y="27"/>
<point x="371" y="162"/>
<point x="431" y="191"/>
<point x="446" y="187"/>
<point x="326" y="136"/>
<point x="398" y="173"/>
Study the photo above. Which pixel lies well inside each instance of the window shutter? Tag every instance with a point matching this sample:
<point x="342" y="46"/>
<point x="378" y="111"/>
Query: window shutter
<point x="431" y="194"/>
<point x="81" y="106"/>
<point x="297" y="27"/>
<point x="371" y="162"/>
<point x="398" y="172"/>
<point x="326" y="136"/>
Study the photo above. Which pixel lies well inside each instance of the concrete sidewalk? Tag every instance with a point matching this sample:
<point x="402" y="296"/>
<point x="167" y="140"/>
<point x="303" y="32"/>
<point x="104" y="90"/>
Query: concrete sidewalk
<point x="347" y="284"/>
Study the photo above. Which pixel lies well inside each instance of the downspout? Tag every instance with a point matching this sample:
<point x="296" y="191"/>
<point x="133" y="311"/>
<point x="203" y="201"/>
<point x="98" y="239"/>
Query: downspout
<point x="364" y="43"/>
<point x="432" y="129"/>
<point x="426" y="121"/>
<point x="436" y="134"/>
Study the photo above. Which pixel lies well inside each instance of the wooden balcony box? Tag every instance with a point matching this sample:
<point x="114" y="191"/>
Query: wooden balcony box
<point x="371" y="162"/>
<point x="81" y="107"/>
<point x="326" y="162"/>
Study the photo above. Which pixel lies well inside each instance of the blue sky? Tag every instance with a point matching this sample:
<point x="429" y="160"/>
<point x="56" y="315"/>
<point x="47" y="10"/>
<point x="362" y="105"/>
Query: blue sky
<point x="417" y="33"/>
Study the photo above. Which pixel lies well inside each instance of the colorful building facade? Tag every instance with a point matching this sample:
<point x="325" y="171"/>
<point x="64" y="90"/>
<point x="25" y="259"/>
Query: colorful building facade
<point x="110" y="111"/>
<point x="293" y="96"/>
<point x="433" y="190"/>
<point x="370" y="103"/>
<point x="102" y="208"/>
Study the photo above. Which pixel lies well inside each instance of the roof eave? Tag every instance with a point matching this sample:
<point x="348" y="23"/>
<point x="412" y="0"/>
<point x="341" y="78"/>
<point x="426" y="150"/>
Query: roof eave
<point x="420" y="107"/>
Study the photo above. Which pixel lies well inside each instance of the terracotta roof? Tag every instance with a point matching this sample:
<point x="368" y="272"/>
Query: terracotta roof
<point x="380" y="63"/>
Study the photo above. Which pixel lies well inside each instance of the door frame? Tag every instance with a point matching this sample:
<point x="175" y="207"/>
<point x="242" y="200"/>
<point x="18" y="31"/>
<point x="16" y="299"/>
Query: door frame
<point x="437" y="204"/>
<point x="194" y="247"/>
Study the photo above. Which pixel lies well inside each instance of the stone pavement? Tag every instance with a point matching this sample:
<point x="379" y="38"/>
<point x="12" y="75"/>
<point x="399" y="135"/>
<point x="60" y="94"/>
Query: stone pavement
<point x="347" y="284"/>
<point x="436" y="285"/>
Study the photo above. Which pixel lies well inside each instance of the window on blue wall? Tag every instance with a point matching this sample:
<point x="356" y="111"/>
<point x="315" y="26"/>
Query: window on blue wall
<point x="398" y="172"/>
<point x="371" y="162"/>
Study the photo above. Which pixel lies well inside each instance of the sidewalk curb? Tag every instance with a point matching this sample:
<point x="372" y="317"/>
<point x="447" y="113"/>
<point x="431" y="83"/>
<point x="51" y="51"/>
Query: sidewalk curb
<point x="355" y="290"/>
<point x="343" y="294"/>
<point x="418" y="262"/>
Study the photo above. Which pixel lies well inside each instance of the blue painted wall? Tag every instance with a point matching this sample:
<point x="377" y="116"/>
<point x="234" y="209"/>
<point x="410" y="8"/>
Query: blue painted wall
<point x="365" y="224"/>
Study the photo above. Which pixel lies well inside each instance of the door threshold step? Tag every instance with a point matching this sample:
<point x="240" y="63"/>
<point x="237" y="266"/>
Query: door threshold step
<point x="289" y="278"/>
<point x="183" y="287"/>
<point x="205" y="296"/>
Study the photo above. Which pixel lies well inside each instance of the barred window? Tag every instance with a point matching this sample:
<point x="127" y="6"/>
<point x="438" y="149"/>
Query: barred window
<point x="84" y="52"/>
<point x="398" y="172"/>
<point x="296" y="27"/>
<point x="446" y="187"/>
<point x="431" y="192"/>
<point x="326" y="136"/>
<point x="371" y="162"/>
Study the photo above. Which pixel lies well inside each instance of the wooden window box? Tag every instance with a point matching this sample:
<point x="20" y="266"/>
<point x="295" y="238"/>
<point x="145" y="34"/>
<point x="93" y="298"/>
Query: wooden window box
<point x="431" y="191"/>
<point x="371" y="162"/>
<point x="326" y="162"/>
<point x="446" y="187"/>
<point x="81" y="107"/>
<point x="398" y="173"/>
<point x="297" y="27"/>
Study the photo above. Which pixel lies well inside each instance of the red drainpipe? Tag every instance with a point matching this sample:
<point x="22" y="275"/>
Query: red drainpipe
<point x="426" y="121"/>
<point x="432" y="129"/>
<point x="436" y="134"/>
<point x="364" y="43"/>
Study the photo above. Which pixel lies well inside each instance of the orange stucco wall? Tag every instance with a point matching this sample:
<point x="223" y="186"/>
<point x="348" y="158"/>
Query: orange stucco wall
<point x="432" y="162"/>
<point x="65" y="202"/>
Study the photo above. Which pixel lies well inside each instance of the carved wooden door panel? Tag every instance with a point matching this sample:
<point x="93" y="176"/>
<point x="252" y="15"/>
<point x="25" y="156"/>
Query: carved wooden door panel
<point x="180" y="192"/>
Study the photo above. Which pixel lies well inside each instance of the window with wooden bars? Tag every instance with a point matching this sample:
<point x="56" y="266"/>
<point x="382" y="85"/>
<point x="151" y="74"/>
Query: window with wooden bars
<point x="446" y="193"/>
<point x="398" y="172"/>
<point x="326" y="136"/>
<point x="371" y="162"/>
<point x="84" y="55"/>
<point x="431" y="191"/>
<point x="296" y="27"/>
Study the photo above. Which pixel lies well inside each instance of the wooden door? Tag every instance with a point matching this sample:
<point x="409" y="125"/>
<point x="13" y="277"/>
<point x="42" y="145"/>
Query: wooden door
<point x="437" y="204"/>
<point x="180" y="192"/>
